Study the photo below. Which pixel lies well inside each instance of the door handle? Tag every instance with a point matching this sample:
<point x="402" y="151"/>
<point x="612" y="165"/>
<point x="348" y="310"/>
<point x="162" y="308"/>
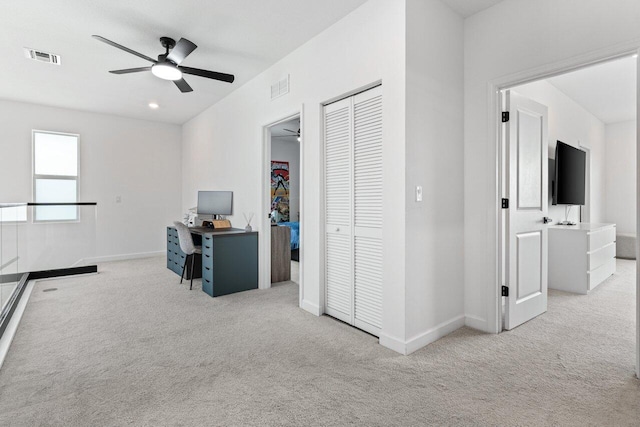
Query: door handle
<point x="546" y="220"/>
<point x="337" y="229"/>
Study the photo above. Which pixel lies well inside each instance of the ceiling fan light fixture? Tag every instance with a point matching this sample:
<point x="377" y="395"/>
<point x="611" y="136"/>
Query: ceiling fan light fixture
<point x="166" y="71"/>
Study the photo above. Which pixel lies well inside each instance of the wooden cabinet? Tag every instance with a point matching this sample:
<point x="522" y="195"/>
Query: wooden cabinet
<point x="280" y="254"/>
<point x="581" y="256"/>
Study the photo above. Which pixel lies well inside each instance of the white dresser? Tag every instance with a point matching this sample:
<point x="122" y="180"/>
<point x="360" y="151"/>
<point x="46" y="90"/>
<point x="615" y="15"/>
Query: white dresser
<point x="581" y="256"/>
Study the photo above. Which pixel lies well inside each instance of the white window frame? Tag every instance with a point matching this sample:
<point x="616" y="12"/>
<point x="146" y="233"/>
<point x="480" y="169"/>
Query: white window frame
<point x="35" y="177"/>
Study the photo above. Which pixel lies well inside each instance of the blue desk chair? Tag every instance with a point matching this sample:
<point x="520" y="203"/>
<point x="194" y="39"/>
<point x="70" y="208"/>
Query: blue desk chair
<point x="187" y="246"/>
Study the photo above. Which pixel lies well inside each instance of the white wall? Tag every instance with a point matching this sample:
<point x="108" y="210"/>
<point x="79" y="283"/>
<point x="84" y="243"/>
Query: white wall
<point x="509" y="38"/>
<point x="570" y="123"/>
<point x="134" y="159"/>
<point x="434" y="153"/>
<point x="621" y="175"/>
<point x="222" y="146"/>
<point x="289" y="151"/>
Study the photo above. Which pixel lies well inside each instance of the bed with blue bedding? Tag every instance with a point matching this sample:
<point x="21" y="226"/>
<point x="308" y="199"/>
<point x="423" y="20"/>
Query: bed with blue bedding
<point x="295" y="237"/>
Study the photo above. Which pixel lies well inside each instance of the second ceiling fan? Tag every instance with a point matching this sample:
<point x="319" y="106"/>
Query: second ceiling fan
<point x="168" y="67"/>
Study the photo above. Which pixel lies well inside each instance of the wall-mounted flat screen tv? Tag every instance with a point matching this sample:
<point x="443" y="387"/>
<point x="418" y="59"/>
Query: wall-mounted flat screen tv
<point x="215" y="202"/>
<point x="569" y="176"/>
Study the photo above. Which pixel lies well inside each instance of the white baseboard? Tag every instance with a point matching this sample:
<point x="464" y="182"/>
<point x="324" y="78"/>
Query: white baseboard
<point x="475" y="323"/>
<point x="435" y="333"/>
<point x="392" y="343"/>
<point x="423" y="339"/>
<point x="311" y="307"/>
<point x="121" y="257"/>
<point x="12" y="327"/>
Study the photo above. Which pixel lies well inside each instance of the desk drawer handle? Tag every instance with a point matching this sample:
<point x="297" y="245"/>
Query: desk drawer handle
<point x="207" y="281"/>
<point x="208" y="247"/>
<point x="208" y="256"/>
<point x="207" y="268"/>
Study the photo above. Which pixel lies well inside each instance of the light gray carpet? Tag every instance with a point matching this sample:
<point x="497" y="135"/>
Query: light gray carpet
<point x="132" y="347"/>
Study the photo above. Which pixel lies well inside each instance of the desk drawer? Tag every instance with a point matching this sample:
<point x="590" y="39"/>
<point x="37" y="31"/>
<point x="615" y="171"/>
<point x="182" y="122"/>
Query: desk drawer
<point x="207" y="286"/>
<point x="601" y="238"/>
<point x="207" y="247"/>
<point x="207" y="273"/>
<point x="176" y="267"/>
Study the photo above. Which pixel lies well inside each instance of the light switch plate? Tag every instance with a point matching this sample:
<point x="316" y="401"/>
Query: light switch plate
<point x="418" y="193"/>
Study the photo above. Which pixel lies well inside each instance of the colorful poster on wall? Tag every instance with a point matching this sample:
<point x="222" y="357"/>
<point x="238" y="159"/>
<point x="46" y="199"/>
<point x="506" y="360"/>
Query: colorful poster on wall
<point x="279" y="191"/>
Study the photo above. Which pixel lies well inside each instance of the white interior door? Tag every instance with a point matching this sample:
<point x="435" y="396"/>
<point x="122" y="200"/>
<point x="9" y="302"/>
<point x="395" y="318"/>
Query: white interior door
<point x="367" y="203"/>
<point x="526" y="228"/>
<point x="338" y="131"/>
<point x="353" y="200"/>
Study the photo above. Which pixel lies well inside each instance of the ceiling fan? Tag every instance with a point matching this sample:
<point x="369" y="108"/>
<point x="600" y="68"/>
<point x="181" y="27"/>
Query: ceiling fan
<point x="289" y="136"/>
<point x="168" y="66"/>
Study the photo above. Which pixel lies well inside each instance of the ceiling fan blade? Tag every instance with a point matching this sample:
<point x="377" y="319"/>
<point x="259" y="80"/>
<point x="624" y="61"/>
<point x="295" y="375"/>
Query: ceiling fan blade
<point x="131" y="70"/>
<point x="181" y="50"/>
<point x="126" y="49"/>
<point x="229" y="78"/>
<point x="292" y="131"/>
<point x="183" y="85"/>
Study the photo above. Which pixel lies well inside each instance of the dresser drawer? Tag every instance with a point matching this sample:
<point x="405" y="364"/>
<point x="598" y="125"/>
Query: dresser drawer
<point x="598" y="257"/>
<point x="600" y="274"/>
<point x="599" y="239"/>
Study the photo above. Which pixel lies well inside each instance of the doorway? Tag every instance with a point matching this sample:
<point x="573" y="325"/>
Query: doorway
<point x="281" y="204"/>
<point x="591" y="116"/>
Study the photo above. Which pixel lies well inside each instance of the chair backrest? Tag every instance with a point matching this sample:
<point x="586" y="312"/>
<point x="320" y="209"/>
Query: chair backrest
<point x="185" y="239"/>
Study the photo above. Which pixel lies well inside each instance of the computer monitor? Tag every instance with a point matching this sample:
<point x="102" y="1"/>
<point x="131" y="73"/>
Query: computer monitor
<point x="215" y="202"/>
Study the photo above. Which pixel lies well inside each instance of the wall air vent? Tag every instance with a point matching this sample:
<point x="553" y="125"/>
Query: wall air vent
<point x="38" y="55"/>
<point x="279" y="88"/>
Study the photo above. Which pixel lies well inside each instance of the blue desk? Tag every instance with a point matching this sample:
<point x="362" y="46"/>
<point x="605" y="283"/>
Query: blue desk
<point x="229" y="261"/>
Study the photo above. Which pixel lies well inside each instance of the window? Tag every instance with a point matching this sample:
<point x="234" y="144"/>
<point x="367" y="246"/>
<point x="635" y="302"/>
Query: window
<point x="55" y="175"/>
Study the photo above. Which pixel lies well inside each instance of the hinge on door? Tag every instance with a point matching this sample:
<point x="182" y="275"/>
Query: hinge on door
<point x="505" y="291"/>
<point x="505" y="116"/>
<point x="505" y="203"/>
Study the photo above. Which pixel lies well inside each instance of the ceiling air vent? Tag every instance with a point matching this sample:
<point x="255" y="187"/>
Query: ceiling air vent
<point x="279" y="88"/>
<point x="38" y="55"/>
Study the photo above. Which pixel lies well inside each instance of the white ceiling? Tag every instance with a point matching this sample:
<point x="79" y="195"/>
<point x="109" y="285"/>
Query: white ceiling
<point x="239" y="37"/>
<point x="608" y="90"/>
<point x="467" y="8"/>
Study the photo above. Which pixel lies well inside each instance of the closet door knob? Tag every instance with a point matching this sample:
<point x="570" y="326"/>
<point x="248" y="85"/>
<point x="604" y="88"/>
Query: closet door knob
<point x="337" y="229"/>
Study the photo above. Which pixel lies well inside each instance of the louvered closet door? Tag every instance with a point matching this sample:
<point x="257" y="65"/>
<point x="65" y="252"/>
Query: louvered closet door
<point x="338" y="195"/>
<point x="367" y="230"/>
<point x="353" y="191"/>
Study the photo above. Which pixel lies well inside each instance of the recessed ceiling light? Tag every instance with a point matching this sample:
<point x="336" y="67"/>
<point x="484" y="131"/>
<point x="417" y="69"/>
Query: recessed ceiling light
<point x="153" y="105"/>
